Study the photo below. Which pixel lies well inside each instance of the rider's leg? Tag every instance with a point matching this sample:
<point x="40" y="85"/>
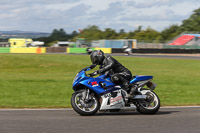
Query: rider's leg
<point x="123" y="79"/>
<point x="130" y="88"/>
<point x="117" y="79"/>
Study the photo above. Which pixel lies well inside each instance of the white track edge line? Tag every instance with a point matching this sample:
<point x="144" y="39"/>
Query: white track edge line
<point x="180" y="107"/>
<point x="69" y="109"/>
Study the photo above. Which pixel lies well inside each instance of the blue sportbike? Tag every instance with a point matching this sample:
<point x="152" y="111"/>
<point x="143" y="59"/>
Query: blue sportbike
<point x="100" y="94"/>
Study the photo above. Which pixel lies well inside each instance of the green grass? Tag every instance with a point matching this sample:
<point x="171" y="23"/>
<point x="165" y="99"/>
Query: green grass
<point x="31" y="80"/>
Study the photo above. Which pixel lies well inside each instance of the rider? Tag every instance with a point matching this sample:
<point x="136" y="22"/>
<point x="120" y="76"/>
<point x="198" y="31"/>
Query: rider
<point x="121" y="75"/>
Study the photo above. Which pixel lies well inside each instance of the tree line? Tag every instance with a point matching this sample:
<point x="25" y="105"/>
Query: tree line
<point x="148" y="35"/>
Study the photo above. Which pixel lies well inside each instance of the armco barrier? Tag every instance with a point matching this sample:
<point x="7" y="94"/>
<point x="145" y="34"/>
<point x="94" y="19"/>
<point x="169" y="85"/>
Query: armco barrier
<point x="117" y="50"/>
<point x="167" y="51"/>
<point x="105" y="50"/>
<point x="28" y="50"/>
<point x="181" y="47"/>
<point x="56" y="50"/>
<point x="4" y="50"/>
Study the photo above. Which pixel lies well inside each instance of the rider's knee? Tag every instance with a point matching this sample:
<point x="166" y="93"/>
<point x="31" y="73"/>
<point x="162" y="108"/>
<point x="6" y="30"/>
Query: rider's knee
<point x="115" y="78"/>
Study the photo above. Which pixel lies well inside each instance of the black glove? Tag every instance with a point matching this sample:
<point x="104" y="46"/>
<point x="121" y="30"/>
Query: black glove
<point x="93" y="74"/>
<point x="92" y="66"/>
<point x="99" y="71"/>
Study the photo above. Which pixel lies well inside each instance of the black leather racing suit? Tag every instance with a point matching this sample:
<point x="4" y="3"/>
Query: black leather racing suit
<point x="121" y="75"/>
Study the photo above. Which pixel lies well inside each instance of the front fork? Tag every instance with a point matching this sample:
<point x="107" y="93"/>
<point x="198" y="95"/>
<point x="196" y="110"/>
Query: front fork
<point x="85" y="94"/>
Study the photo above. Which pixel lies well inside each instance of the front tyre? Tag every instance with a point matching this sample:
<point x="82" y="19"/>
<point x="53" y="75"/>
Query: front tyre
<point x="84" y="107"/>
<point x="150" y="105"/>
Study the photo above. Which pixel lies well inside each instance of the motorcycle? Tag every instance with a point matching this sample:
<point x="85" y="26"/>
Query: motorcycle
<point x="100" y="94"/>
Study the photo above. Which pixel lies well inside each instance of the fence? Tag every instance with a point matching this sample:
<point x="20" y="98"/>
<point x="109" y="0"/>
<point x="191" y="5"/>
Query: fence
<point x="181" y="46"/>
<point x="150" y="45"/>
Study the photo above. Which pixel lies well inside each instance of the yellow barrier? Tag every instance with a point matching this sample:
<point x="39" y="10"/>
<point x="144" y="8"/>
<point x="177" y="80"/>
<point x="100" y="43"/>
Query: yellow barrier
<point x="105" y="50"/>
<point x="41" y="50"/>
<point x="28" y="50"/>
<point x="67" y="50"/>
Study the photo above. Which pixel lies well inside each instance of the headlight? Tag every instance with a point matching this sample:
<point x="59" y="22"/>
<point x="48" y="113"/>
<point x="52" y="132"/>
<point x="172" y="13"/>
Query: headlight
<point x="77" y="78"/>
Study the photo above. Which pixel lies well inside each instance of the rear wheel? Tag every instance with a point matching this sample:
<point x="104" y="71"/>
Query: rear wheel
<point x="150" y="105"/>
<point x="84" y="107"/>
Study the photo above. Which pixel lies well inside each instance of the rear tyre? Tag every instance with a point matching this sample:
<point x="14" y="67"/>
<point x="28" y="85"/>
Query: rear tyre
<point x="83" y="107"/>
<point x="151" y="105"/>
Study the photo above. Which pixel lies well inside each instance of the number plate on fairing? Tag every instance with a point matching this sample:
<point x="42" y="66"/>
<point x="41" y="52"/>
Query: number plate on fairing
<point x="113" y="100"/>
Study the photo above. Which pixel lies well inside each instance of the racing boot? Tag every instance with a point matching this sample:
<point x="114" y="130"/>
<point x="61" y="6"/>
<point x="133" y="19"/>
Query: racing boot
<point x="126" y="87"/>
<point x="130" y="89"/>
<point x="133" y="90"/>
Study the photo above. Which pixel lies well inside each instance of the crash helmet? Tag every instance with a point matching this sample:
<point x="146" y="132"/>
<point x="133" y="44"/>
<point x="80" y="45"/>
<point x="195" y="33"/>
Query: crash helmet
<point x="97" y="57"/>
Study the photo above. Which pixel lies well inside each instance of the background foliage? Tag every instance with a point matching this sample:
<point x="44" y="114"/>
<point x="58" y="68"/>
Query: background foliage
<point x="149" y="35"/>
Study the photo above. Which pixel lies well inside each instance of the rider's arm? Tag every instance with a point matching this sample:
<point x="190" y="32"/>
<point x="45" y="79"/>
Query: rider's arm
<point x="110" y="64"/>
<point x="93" y="66"/>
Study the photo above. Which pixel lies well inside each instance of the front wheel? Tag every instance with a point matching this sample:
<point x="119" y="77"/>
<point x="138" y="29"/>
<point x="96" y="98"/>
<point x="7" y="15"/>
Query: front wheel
<point x="85" y="107"/>
<point x="150" y="105"/>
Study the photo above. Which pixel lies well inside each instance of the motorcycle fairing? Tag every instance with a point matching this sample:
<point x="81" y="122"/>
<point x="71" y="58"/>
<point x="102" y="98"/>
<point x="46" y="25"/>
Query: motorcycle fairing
<point x="95" y="85"/>
<point x="138" y="78"/>
<point x="109" y="102"/>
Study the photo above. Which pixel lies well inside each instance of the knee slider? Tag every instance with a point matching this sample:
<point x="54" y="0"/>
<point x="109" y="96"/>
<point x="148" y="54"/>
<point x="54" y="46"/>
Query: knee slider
<point x="115" y="78"/>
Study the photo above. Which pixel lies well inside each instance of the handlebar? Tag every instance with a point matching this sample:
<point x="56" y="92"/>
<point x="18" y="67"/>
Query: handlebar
<point x="93" y="74"/>
<point x="92" y="66"/>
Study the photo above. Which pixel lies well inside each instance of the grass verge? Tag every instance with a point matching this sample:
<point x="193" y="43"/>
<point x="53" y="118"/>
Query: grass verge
<point x="42" y="81"/>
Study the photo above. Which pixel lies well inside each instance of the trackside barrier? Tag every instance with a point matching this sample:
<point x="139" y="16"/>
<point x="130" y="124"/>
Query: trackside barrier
<point x="166" y="51"/>
<point x="28" y="50"/>
<point x="83" y="50"/>
<point x="105" y="50"/>
<point x="182" y="46"/>
<point x="117" y="50"/>
<point x="40" y="50"/>
<point x="4" y="50"/>
<point x="77" y="50"/>
<point x="56" y="50"/>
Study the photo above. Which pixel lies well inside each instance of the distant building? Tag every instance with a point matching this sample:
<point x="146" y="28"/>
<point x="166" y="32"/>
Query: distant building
<point x="123" y="43"/>
<point x="63" y="44"/>
<point x="37" y="44"/>
<point x="20" y="42"/>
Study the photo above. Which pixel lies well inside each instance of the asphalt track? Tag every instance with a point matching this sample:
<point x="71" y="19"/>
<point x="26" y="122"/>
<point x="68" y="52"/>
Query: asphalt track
<point x="169" y="56"/>
<point x="167" y="120"/>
